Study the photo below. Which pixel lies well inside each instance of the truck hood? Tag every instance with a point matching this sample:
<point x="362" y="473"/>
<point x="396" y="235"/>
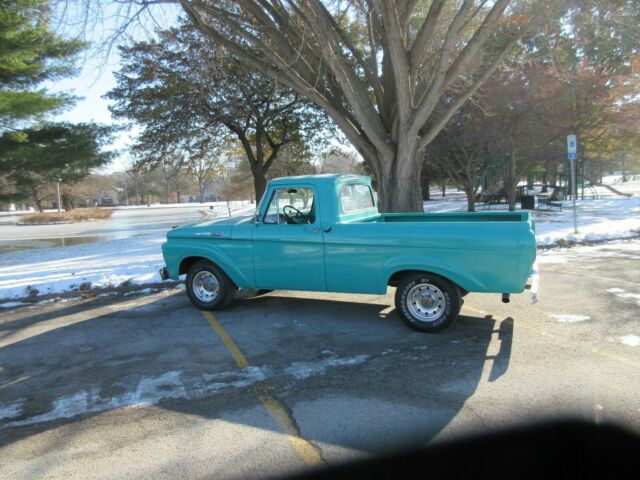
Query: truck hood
<point x="220" y="228"/>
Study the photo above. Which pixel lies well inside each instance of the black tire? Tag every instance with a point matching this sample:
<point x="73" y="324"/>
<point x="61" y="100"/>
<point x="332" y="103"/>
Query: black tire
<point x="443" y="292"/>
<point x="225" y="292"/>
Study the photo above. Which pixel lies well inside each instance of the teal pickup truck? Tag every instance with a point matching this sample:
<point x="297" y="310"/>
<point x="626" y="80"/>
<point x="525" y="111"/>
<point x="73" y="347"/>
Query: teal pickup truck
<point x="324" y="233"/>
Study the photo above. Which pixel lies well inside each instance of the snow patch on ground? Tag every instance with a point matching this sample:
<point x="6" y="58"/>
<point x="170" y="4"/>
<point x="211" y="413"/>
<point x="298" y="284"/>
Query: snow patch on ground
<point x="562" y="318"/>
<point x="620" y="293"/>
<point x="11" y="410"/>
<point x="615" y="249"/>
<point x="13" y="304"/>
<point x="629" y="295"/>
<point x="631" y="340"/>
<point x="302" y="370"/>
<point x="173" y="384"/>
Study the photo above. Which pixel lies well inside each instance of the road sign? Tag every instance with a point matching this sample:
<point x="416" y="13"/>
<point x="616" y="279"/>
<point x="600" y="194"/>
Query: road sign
<point x="572" y="146"/>
<point x="572" y="153"/>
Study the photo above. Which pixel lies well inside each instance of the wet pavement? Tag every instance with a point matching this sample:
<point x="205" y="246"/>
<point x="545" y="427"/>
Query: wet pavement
<point x="150" y="387"/>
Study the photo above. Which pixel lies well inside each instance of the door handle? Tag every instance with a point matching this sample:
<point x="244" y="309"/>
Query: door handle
<point x="312" y="229"/>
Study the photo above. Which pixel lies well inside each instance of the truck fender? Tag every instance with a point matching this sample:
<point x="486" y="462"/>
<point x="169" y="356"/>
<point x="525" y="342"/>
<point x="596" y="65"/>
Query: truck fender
<point x="215" y="255"/>
<point x="445" y="269"/>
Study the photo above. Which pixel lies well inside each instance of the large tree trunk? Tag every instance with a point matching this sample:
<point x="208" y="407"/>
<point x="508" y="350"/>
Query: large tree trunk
<point x="510" y="184"/>
<point x="425" y="185"/>
<point x="67" y="202"/>
<point x="470" y="192"/>
<point x="37" y="200"/>
<point x="398" y="182"/>
<point x="201" y="190"/>
<point x="259" y="182"/>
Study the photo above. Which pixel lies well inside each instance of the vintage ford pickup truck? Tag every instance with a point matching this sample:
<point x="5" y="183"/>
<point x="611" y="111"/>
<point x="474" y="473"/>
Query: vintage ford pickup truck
<point x="324" y="233"/>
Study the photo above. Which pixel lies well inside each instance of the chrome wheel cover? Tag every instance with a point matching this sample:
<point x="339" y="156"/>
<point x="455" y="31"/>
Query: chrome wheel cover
<point x="426" y="302"/>
<point x="205" y="286"/>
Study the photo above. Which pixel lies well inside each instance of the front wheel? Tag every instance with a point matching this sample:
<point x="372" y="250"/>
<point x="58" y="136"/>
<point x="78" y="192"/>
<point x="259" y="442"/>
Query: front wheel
<point x="208" y="287"/>
<point x="427" y="302"/>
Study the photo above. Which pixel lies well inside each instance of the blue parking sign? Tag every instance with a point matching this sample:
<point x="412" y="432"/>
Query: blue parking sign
<point x="573" y="155"/>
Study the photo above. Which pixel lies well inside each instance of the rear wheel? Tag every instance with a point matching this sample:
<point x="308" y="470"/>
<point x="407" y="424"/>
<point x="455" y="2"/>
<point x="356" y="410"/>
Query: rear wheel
<point x="427" y="302"/>
<point x="208" y="287"/>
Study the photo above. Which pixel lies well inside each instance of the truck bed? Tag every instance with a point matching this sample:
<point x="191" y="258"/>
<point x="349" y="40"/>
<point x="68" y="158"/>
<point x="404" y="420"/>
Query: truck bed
<point x="454" y="217"/>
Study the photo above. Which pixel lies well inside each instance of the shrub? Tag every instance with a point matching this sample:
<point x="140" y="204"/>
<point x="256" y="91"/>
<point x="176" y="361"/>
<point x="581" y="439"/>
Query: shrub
<point x="78" y="215"/>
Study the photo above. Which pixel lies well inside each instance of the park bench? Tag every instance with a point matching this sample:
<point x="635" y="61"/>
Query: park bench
<point x="554" y="200"/>
<point x="493" y="199"/>
<point x="548" y="204"/>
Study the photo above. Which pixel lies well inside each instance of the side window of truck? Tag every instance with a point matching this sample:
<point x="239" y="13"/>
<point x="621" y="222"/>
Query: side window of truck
<point x="291" y="206"/>
<point x="355" y="197"/>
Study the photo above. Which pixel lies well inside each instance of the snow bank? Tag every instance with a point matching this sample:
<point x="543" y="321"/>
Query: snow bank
<point x="108" y="264"/>
<point x="129" y="261"/>
<point x="598" y="219"/>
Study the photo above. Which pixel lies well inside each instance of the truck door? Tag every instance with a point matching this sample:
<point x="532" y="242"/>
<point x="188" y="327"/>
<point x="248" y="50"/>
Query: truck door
<point x="288" y="247"/>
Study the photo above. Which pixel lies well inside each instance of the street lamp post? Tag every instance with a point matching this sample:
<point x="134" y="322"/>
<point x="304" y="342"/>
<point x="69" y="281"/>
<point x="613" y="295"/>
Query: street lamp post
<point x="58" y="191"/>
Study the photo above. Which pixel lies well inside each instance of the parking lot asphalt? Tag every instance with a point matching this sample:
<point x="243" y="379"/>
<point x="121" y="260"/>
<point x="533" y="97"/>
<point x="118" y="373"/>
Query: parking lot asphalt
<point x="149" y="386"/>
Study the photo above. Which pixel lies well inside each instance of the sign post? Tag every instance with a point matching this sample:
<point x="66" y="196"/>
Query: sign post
<point x="572" y="153"/>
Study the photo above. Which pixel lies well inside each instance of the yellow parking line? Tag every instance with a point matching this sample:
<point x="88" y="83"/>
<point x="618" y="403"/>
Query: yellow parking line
<point x="235" y="352"/>
<point x="305" y="449"/>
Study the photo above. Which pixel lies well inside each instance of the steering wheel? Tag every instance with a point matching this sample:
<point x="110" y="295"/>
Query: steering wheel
<point x="298" y="215"/>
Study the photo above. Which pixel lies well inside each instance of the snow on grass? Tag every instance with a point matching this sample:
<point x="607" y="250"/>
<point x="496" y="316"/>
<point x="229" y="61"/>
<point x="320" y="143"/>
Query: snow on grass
<point x="129" y="261"/>
<point x="53" y="270"/>
<point x="568" y="318"/>
<point x="598" y="219"/>
<point x="631" y="340"/>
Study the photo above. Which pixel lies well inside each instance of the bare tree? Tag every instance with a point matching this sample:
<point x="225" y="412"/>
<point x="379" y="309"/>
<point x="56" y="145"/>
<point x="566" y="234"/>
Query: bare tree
<point x="189" y="94"/>
<point x="203" y="168"/>
<point x="461" y="152"/>
<point x="390" y="73"/>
